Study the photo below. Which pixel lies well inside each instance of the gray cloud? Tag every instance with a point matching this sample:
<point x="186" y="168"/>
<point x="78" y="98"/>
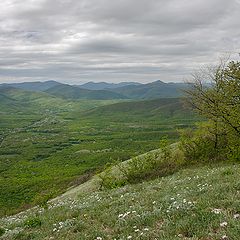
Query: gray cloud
<point x="143" y="40"/>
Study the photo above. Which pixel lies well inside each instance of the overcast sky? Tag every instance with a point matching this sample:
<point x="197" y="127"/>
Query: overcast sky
<point x="76" y="41"/>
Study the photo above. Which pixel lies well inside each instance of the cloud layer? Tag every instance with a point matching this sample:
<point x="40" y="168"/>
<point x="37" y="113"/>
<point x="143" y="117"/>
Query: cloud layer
<point x="104" y="40"/>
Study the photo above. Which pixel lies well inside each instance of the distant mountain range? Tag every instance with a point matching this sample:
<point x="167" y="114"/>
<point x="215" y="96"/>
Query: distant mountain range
<point x="104" y="85"/>
<point x="72" y="92"/>
<point x="157" y="89"/>
<point x="33" y="86"/>
<point x="103" y="90"/>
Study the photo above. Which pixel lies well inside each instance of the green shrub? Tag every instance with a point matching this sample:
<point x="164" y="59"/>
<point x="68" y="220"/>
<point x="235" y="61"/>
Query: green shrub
<point x="109" y="180"/>
<point x="33" y="222"/>
<point x="234" y="150"/>
<point x="140" y="168"/>
<point x="2" y="231"/>
<point x="42" y="199"/>
<point x="145" y="167"/>
<point x="165" y="148"/>
<point x="153" y="165"/>
<point x="204" y="143"/>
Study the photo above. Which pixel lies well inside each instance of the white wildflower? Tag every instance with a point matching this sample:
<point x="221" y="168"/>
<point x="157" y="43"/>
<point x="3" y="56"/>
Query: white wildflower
<point x="236" y="216"/>
<point x="224" y="237"/>
<point x="223" y="224"/>
<point x="216" y="210"/>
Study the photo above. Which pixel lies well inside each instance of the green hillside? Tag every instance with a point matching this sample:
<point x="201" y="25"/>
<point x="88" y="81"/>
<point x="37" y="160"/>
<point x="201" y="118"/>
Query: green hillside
<point x="194" y="203"/>
<point x="9" y="104"/>
<point x="167" y="107"/>
<point x="157" y="89"/>
<point x="23" y="95"/>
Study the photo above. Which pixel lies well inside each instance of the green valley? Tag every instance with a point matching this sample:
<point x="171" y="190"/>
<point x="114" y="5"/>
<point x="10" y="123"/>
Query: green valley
<point x="49" y="144"/>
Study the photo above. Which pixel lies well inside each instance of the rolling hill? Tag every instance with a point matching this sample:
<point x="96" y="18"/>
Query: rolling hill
<point x="157" y="89"/>
<point x="16" y="100"/>
<point x="8" y="104"/>
<point x="19" y="100"/>
<point x="72" y="92"/>
<point x="167" y="107"/>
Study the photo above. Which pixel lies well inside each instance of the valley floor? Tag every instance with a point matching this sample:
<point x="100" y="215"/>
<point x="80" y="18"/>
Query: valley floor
<point x="195" y="203"/>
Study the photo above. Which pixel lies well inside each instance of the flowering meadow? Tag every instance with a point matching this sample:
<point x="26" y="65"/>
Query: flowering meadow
<point x="195" y="203"/>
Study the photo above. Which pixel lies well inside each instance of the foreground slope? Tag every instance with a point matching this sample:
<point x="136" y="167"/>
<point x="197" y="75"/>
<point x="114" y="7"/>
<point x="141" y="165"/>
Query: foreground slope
<point x="195" y="203"/>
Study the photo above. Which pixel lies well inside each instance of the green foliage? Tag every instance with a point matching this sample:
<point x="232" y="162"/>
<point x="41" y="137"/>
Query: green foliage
<point x="218" y="139"/>
<point x="158" y="163"/>
<point x="42" y="199"/>
<point x="2" y="231"/>
<point x="109" y="180"/>
<point x="33" y="222"/>
<point x="153" y="165"/>
<point x="165" y="148"/>
<point x="233" y="148"/>
<point x="203" y="144"/>
<point x="140" y="168"/>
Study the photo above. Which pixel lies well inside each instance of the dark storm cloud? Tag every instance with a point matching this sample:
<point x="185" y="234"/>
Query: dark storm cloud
<point x="144" y="40"/>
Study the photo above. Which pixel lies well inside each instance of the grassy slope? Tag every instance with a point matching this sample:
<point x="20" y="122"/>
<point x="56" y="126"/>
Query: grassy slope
<point x="166" y="107"/>
<point x="195" y="203"/>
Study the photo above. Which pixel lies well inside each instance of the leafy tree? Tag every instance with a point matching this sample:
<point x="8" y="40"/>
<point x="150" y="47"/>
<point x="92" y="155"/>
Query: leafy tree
<point x="215" y="94"/>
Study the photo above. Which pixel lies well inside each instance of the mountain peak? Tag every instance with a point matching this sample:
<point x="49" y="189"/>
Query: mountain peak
<point x="158" y="82"/>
